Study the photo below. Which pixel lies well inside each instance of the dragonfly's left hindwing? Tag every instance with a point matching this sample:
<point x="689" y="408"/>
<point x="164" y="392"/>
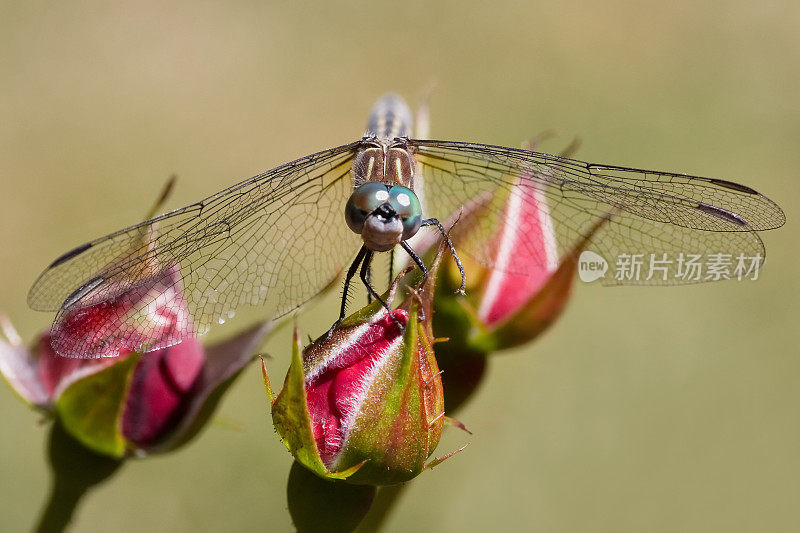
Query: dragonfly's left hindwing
<point x="274" y="240"/>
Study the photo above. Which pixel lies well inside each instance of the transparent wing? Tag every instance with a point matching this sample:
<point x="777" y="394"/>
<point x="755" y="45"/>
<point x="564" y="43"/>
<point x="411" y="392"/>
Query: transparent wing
<point x="274" y="240"/>
<point x="663" y="217"/>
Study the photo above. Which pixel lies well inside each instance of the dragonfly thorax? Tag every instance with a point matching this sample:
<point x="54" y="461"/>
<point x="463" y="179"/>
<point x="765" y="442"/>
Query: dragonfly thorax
<point x="383" y="215"/>
<point x="385" y="162"/>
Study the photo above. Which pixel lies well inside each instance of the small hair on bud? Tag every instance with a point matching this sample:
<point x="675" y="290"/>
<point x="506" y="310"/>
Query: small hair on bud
<point x="436" y="419"/>
<point x="430" y="379"/>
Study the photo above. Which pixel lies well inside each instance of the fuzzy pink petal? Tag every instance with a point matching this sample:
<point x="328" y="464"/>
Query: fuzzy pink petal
<point x="159" y="391"/>
<point x="148" y="316"/>
<point x="335" y="392"/>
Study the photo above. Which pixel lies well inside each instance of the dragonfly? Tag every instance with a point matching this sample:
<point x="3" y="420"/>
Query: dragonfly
<point x="278" y="239"/>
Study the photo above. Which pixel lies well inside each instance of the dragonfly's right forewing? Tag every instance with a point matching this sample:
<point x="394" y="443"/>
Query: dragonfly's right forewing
<point x="650" y="215"/>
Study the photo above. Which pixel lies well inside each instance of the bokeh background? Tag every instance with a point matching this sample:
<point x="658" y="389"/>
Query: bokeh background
<point x="642" y="410"/>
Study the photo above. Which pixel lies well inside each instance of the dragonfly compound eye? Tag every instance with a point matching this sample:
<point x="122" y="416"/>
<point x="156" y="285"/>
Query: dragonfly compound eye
<point x="407" y="206"/>
<point x="364" y="200"/>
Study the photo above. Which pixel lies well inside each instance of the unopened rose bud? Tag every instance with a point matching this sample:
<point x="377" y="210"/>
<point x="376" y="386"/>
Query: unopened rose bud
<point x="151" y="314"/>
<point x="365" y="404"/>
<point x="511" y="302"/>
<point x="527" y="286"/>
<point x="131" y="403"/>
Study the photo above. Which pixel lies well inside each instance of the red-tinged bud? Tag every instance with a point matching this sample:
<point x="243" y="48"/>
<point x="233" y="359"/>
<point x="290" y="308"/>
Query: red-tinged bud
<point x="365" y="404"/>
<point x="152" y="314"/>
<point x="524" y="291"/>
<point x="122" y="402"/>
<point x="160" y="390"/>
<point x="133" y="403"/>
<point x="524" y="258"/>
<point x="511" y="302"/>
<point x="340" y="373"/>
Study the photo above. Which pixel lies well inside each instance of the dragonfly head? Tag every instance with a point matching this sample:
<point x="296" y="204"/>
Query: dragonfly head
<point x="383" y="215"/>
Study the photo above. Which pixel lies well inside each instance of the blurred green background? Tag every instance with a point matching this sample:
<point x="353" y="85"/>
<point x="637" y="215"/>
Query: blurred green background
<point x="641" y="410"/>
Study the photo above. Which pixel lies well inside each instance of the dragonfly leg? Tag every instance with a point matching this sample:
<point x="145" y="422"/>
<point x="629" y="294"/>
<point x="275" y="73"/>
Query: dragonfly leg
<point x="391" y="266"/>
<point x="369" y="282"/>
<point x="350" y="273"/>
<point x="435" y="222"/>
<point x="417" y="259"/>
<point x="421" y="264"/>
<point x="370" y="290"/>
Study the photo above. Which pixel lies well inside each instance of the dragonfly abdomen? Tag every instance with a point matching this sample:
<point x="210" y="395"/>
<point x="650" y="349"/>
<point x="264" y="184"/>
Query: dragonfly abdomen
<point x="390" y="118"/>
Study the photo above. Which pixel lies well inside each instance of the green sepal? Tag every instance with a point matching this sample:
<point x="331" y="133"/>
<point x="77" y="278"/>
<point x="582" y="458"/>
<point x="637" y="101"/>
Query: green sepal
<point x="91" y="407"/>
<point x="267" y="386"/>
<point x="293" y="423"/>
<point x="436" y="461"/>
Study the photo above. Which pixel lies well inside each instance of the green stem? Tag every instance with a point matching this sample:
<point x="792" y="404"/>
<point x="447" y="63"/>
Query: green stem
<point x="383" y="505"/>
<point x="75" y="470"/>
<point x="61" y="505"/>
<point x="324" y="505"/>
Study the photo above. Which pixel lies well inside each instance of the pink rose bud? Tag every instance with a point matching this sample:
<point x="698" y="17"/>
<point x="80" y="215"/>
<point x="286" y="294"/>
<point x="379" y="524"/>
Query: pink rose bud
<point x="513" y="301"/>
<point x="131" y="403"/>
<point x="365" y="404"/>
<point x="160" y="391"/>
<point x="527" y="286"/>
<point x="152" y="314"/>
<point x="525" y="256"/>
<point x="338" y="380"/>
<point x="124" y="401"/>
